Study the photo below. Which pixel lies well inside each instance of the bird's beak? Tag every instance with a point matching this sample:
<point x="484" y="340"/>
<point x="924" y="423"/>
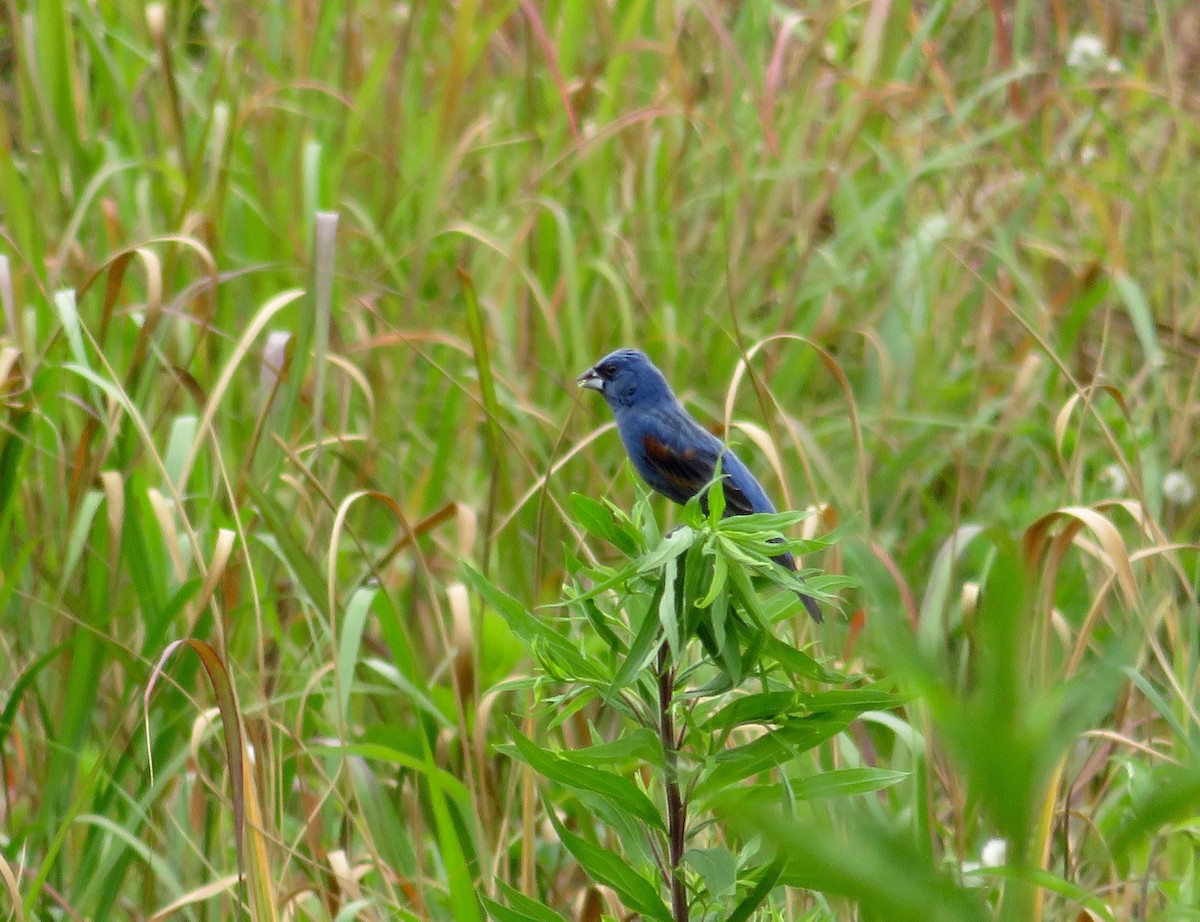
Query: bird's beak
<point x="590" y="380"/>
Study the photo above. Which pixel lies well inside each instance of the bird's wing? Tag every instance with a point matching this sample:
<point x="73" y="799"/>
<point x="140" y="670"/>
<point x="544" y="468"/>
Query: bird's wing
<point x="685" y="463"/>
<point x="743" y="493"/>
<point x="680" y="470"/>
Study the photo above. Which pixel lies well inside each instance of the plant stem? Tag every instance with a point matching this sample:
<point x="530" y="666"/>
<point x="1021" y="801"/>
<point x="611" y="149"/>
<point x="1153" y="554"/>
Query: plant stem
<point x="676" y="809"/>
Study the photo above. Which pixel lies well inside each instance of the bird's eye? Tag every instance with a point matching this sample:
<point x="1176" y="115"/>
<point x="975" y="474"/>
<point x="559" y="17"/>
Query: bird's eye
<point x="606" y="371"/>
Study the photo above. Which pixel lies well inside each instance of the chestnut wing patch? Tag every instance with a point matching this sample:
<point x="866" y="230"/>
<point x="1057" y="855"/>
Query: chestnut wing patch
<point x="683" y="469"/>
<point x="688" y="470"/>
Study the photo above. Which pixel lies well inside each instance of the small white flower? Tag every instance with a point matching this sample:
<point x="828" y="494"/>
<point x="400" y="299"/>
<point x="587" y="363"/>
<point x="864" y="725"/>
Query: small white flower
<point x="1086" y="52"/>
<point x="1178" y="488"/>
<point x="274" y="361"/>
<point x="1114" y="66"/>
<point x="994" y="853"/>
<point x="1114" y="475"/>
<point x="1087" y="155"/>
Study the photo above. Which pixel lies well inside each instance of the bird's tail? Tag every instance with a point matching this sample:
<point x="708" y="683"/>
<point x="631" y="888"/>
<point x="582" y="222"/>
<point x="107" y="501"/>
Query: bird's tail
<point x="810" y="604"/>
<point x="814" y="610"/>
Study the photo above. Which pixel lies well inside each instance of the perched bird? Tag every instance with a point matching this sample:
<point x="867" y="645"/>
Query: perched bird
<point x="672" y="452"/>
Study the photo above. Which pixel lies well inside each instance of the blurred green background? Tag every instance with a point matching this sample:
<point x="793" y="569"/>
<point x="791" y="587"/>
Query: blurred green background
<point x="934" y="263"/>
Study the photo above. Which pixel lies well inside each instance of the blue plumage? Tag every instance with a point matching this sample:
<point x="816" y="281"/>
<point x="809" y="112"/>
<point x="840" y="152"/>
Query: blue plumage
<point x="672" y="452"/>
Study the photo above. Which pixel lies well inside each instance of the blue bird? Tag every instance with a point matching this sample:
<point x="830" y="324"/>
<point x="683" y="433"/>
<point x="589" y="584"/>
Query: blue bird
<point x="672" y="452"/>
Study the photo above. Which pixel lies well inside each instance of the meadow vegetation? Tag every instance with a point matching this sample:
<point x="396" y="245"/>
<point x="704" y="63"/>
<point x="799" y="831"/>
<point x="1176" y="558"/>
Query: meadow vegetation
<point x="293" y="577"/>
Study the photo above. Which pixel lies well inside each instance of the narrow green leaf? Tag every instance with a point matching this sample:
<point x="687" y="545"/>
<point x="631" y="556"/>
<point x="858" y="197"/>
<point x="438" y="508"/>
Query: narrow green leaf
<point x="891" y="877"/>
<point x="858" y="700"/>
<point x="775" y="748"/>
<point x="800" y="663"/>
<point x="644" y="645"/>
<point x="1141" y="316"/>
<point x="68" y="316"/>
<point x="845" y="781"/>
<point x="674" y="544"/>
<point x="1173" y="797"/>
<point x="622" y="793"/>
<point x="637" y="745"/>
<point x="717" y="867"/>
<point x="552" y="649"/>
<point x="179" y="447"/>
<point x="755" y="898"/>
<point x="715" y="493"/>
<point x="668" y="615"/>
<point x="717" y="586"/>
<point x="763" y="707"/>
<point x="349" y="643"/>
<point x="520" y="908"/>
<point x="278" y="526"/>
<point x="611" y="870"/>
<point x="601" y="521"/>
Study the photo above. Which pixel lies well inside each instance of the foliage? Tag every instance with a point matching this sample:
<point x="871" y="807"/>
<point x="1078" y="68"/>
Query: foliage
<point x="293" y="295"/>
<point x="699" y="692"/>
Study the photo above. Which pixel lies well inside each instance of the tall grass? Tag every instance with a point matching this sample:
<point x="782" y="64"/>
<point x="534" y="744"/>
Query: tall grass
<point x="935" y="269"/>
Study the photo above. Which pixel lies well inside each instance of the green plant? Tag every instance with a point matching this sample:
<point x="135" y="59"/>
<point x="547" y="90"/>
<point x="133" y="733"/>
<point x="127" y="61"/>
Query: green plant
<point x="695" y="697"/>
<point x="948" y="274"/>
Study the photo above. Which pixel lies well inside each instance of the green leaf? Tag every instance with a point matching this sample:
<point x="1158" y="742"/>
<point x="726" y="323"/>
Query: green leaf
<point x="1054" y="884"/>
<point x="668" y="616"/>
<point x="717" y="867"/>
<point x="611" y="870"/>
<point x="718" y="615"/>
<point x="1141" y="316"/>
<point x="622" y="793"/>
<point x="762" y="522"/>
<point x="752" y="559"/>
<point x="519" y="618"/>
<point x="352" y="624"/>
<point x="747" y="599"/>
<point x="227" y="705"/>
<point x="520" y="908"/>
<point x="800" y="663"/>
<point x="555" y="654"/>
<point x="845" y="781"/>
<point x="715" y="492"/>
<point x="637" y="745"/>
<point x="12" y="452"/>
<point x="617" y="578"/>
<point x="599" y="622"/>
<point x="23" y="681"/>
<point x="674" y="544"/>
<point x="1173" y="797"/>
<point x="566" y="706"/>
<point x="602" y="521"/>
<point x="279" y="525"/>
<point x="763" y="707"/>
<point x="891" y="876"/>
<point x="871" y="698"/>
<point x="644" y="645"/>
<point x="731" y="659"/>
<point x="68" y="315"/>
<point x="552" y="650"/>
<point x="720" y="575"/>
<point x="775" y="748"/>
<point x="439" y="779"/>
<point x="755" y="898"/>
<point x="697" y="567"/>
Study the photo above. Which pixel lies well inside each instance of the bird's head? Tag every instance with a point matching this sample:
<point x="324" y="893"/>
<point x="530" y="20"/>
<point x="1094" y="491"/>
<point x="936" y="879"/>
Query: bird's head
<point x="626" y="377"/>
